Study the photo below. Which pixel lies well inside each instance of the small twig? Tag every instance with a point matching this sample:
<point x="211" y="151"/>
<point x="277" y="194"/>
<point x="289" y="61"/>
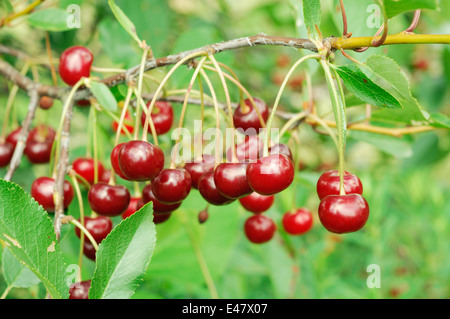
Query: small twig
<point x="414" y="22"/>
<point x="344" y="18"/>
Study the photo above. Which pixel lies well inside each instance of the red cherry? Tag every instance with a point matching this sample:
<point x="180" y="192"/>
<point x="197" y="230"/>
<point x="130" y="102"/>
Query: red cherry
<point x="38" y="152"/>
<point x="298" y="221"/>
<point x="231" y="180"/>
<point x="99" y="227"/>
<point x="247" y="119"/>
<point x="45" y="102"/>
<point x="162" y="117"/>
<point x="208" y="190"/>
<point x="89" y="250"/>
<point x="127" y="123"/>
<point x="140" y="160"/>
<point x="158" y="207"/>
<point x="132" y="207"/>
<point x="343" y="213"/>
<point x="13" y="137"/>
<point x="257" y="203"/>
<point x="171" y="186"/>
<point x="329" y="184"/>
<point x="161" y="218"/>
<point x="114" y="157"/>
<point x="41" y="133"/>
<point x="42" y="190"/>
<point x="83" y="103"/>
<point x="271" y="174"/>
<point x="247" y="150"/>
<point x="281" y="149"/>
<point x="75" y="63"/>
<point x="105" y="176"/>
<point x="80" y="290"/>
<point x="198" y="168"/>
<point x="6" y="153"/>
<point x="259" y="228"/>
<point x="108" y="200"/>
<point x="85" y="167"/>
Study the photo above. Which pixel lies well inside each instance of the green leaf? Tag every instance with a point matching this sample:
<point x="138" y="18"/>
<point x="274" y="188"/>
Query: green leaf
<point x="397" y="147"/>
<point x="123" y="256"/>
<point x="15" y="273"/>
<point x="440" y="120"/>
<point x="51" y="19"/>
<point x="104" y="96"/>
<point x="364" y="88"/>
<point x="312" y="14"/>
<point x="5" y="7"/>
<point x="395" y="7"/>
<point x="124" y="20"/>
<point x="27" y="230"/>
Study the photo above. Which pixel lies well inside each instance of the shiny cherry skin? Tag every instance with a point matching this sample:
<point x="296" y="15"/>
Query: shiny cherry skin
<point x="80" y="290"/>
<point x="198" y="168"/>
<point x="298" y="221"/>
<point x="271" y="174"/>
<point x="171" y="186"/>
<point x="249" y="149"/>
<point x="45" y="102"/>
<point x="208" y="189"/>
<point x="75" y="63"/>
<point x="281" y="148"/>
<point x="89" y="250"/>
<point x="162" y="117"/>
<point x="6" y="153"/>
<point x="343" y="213"/>
<point x="259" y="228"/>
<point x="108" y="200"/>
<point x="99" y="227"/>
<point x="85" y="167"/>
<point x="246" y="117"/>
<point x="140" y="160"/>
<point x="105" y="176"/>
<point x="42" y="190"/>
<point x="231" y="180"/>
<point x="158" y="207"/>
<point x="114" y="157"/>
<point x="329" y="184"/>
<point x="132" y="207"/>
<point x="13" y="137"/>
<point x="257" y="203"/>
<point x="38" y="152"/>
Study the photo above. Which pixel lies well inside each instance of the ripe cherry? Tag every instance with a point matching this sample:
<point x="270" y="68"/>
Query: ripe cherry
<point x="13" y="137"/>
<point x="158" y="207"/>
<point x="271" y="174"/>
<point x="6" y="153"/>
<point x="297" y="221"/>
<point x="160" y="218"/>
<point x="281" y="149"/>
<point x="114" y="157"/>
<point x="39" y="144"/>
<point x="208" y="190"/>
<point x="171" y="186"/>
<point x="245" y="117"/>
<point x="198" y="168"/>
<point x="80" y="290"/>
<point x="108" y="200"/>
<point x="85" y="167"/>
<point x="259" y="228"/>
<point x="250" y="149"/>
<point x="343" y="213"/>
<point x="42" y="190"/>
<point x="257" y="203"/>
<point x="162" y="117"/>
<point x="99" y="227"/>
<point x="140" y="160"/>
<point x="329" y="184"/>
<point x="45" y="102"/>
<point x="231" y="180"/>
<point x="89" y="250"/>
<point x="132" y="207"/>
<point x="75" y="63"/>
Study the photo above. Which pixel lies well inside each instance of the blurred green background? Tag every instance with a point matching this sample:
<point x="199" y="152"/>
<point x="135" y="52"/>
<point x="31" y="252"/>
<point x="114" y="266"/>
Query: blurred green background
<point x="406" y="180"/>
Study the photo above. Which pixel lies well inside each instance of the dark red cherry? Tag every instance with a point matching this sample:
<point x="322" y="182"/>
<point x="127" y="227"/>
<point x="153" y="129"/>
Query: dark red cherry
<point x="198" y="168"/>
<point x="89" y="250"/>
<point x="38" y="152"/>
<point x="45" y="102"/>
<point x="171" y="186"/>
<point x="75" y="63"/>
<point x="343" y="213"/>
<point x="297" y="221"/>
<point x="249" y="149"/>
<point x="329" y="184"/>
<point x="41" y="133"/>
<point x="42" y="190"/>
<point x="257" y="203"/>
<point x="99" y="227"/>
<point x="271" y="174"/>
<point x="281" y="149"/>
<point x="246" y="117"/>
<point x="162" y="117"/>
<point x="80" y="290"/>
<point x="161" y="218"/>
<point x="108" y="200"/>
<point x="231" y="180"/>
<point x="132" y="207"/>
<point x="85" y="167"/>
<point x="140" y="160"/>
<point x="83" y="103"/>
<point x="6" y="153"/>
<point x="114" y="157"/>
<point x="259" y="228"/>
<point x="158" y="207"/>
<point x="208" y="190"/>
<point x="13" y="137"/>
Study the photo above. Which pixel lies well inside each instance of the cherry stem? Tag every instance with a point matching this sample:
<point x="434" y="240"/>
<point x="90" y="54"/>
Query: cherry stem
<point x="76" y="186"/>
<point x="139" y="88"/>
<point x="322" y="123"/>
<point x="298" y="117"/>
<point x="94" y="140"/>
<point x="50" y="58"/>
<point x="147" y="113"/>
<point x="344" y="18"/>
<point x="199" y="153"/>
<point x="277" y="100"/>
<point x="183" y="110"/>
<point x="85" y="232"/>
<point x="414" y="22"/>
